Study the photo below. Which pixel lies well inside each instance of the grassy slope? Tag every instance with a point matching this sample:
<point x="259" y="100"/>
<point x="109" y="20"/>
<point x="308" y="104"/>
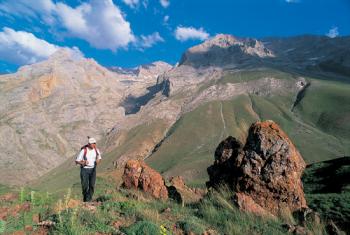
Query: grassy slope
<point x="326" y="106"/>
<point x="189" y="148"/>
<point x="318" y="126"/>
<point x="327" y="189"/>
<point x="190" y="145"/>
<point x="136" y="213"/>
<point x="313" y="143"/>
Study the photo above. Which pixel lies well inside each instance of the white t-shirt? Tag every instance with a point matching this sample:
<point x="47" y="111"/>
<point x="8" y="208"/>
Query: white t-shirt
<point x="90" y="157"/>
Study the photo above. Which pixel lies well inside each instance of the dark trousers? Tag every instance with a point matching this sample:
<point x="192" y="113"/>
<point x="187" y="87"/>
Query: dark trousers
<point x="88" y="178"/>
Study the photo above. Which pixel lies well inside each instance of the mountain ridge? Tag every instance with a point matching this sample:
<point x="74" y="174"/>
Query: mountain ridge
<point x="165" y="105"/>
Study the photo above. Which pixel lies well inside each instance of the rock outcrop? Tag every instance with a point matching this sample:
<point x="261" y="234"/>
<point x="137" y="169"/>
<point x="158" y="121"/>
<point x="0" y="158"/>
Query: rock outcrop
<point x="181" y="193"/>
<point x="138" y="175"/>
<point x="267" y="170"/>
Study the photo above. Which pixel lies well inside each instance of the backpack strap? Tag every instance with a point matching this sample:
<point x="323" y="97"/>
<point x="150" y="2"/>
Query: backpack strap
<point x="97" y="154"/>
<point x="85" y="152"/>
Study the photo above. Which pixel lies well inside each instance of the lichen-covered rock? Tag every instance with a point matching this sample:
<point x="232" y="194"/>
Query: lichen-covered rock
<point x="267" y="169"/>
<point x="138" y="175"/>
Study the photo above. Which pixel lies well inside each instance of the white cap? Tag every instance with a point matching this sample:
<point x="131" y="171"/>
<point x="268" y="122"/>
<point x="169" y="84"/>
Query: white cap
<point x="92" y="140"/>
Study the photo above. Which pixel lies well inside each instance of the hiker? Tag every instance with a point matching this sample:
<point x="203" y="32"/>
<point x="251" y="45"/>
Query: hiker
<point x="88" y="158"/>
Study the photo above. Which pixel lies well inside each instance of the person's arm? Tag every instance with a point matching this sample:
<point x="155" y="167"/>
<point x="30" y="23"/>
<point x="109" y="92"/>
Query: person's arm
<point x="82" y="162"/>
<point x="79" y="160"/>
<point x="98" y="160"/>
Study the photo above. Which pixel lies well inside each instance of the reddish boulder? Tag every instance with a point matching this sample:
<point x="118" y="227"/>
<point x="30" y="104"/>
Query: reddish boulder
<point x="267" y="169"/>
<point x="138" y="175"/>
<point x="247" y="204"/>
<point x="181" y="193"/>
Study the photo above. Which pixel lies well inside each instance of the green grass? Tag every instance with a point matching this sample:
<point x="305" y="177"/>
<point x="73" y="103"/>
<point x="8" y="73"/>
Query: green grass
<point x="326" y="107"/>
<point x="333" y="206"/>
<point x="140" y="214"/>
<point x="4" y="189"/>
<point x="217" y="209"/>
<point x="313" y="143"/>
<point x="188" y="149"/>
<point x="39" y="204"/>
<point x="327" y="190"/>
<point x="142" y="228"/>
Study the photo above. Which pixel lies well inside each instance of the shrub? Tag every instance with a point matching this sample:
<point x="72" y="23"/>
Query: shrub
<point x="142" y="228"/>
<point x="191" y="224"/>
<point x="126" y="207"/>
<point x="93" y="222"/>
<point x="81" y="221"/>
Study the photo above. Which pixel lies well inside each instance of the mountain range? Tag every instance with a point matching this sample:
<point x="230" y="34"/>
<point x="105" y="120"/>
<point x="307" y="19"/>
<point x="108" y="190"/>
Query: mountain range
<point x="173" y="117"/>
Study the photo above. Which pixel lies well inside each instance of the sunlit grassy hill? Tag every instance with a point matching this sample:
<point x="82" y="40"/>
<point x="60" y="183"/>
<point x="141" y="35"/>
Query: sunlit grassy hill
<point x="316" y="120"/>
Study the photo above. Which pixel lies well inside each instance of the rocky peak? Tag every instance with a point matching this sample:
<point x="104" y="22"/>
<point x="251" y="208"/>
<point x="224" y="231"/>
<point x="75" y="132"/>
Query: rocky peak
<point x="145" y="71"/>
<point x="65" y="63"/>
<point x="64" y="54"/>
<point x="153" y="70"/>
<point x="225" y="49"/>
<point x="265" y="174"/>
<point x="248" y="45"/>
<point x="220" y="40"/>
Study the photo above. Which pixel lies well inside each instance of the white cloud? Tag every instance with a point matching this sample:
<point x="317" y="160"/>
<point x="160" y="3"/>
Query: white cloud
<point x="333" y="32"/>
<point x="292" y="1"/>
<point x="99" y="22"/>
<point x="20" y="47"/>
<point x="131" y="3"/>
<point x="164" y="3"/>
<point x="187" y="33"/>
<point x="73" y="19"/>
<point x="136" y="3"/>
<point x="149" y="40"/>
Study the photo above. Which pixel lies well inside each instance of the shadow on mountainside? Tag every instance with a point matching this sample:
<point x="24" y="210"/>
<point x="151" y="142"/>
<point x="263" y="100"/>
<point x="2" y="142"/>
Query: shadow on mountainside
<point x="132" y="104"/>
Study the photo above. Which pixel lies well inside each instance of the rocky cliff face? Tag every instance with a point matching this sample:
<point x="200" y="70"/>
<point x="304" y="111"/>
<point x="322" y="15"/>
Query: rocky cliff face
<point x="47" y="110"/>
<point x="317" y="54"/>
<point x="265" y="173"/>
<point x="225" y="51"/>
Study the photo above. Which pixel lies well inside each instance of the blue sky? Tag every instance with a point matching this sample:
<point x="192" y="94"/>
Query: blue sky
<point x="131" y="32"/>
